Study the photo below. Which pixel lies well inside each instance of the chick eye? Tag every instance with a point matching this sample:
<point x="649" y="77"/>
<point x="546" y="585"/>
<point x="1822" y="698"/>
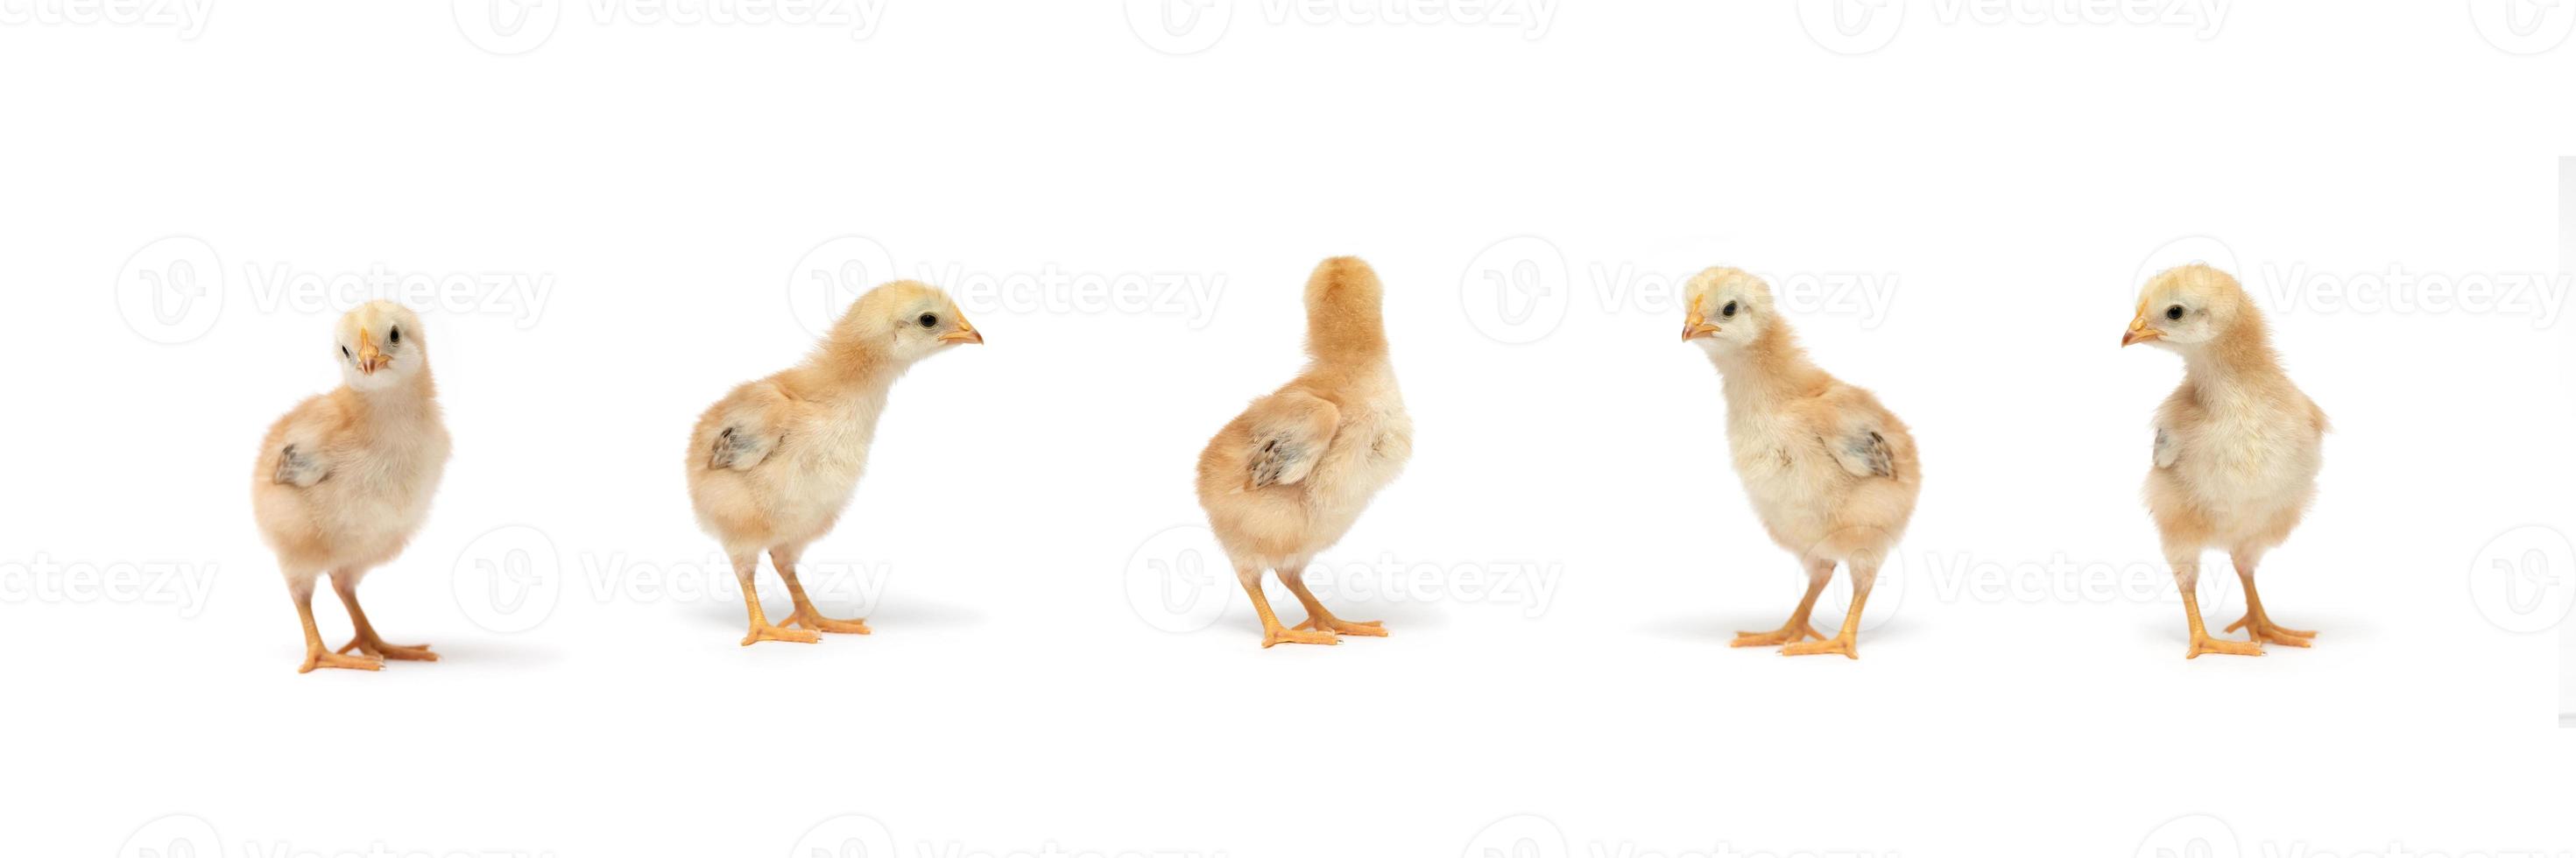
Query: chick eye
<point x="396" y="334"/>
<point x="1729" y="311"/>
<point x="344" y="351"/>
<point x="930" y="320"/>
<point x="2174" y="312"/>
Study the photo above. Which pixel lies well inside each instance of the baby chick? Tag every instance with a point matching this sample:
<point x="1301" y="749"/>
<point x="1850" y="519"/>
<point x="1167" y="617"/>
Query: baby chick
<point x="1832" y="474"/>
<point x="345" y="478"/>
<point x="1289" y="476"/>
<point x="2237" y="445"/>
<point x="772" y="464"/>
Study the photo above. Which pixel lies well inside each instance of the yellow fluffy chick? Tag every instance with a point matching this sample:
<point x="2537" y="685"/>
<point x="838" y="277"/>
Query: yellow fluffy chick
<point x="1287" y="478"/>
<point x="1831" y="473"/>
<point x="2237" y="446"/>
<point x="345" y="479"/>
<point x="772" y="465"/>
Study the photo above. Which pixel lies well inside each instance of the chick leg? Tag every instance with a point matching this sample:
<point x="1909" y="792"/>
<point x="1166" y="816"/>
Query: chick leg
<point x="2187" y="576"/>
<point x="1798" y="628"/>
<point x="805" y="615"/>
<point x="345" y="582"/>
<point x="1316" y="616"/>
<point x="314" y="655"/>
<point x="1272" y="633"/>
<point x="1864" y="575"/>
<point x="2257" y="624"/>
<point x="745" y="565"/>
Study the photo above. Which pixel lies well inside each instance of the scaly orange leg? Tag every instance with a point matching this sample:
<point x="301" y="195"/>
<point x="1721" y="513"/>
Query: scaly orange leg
<point x="1318" y="618"/>
<point x="804" y="614"/>
<point x="365" y="640"/>
<point x="1798" y="628"/>
<point x="2201" y="642"/>
<point x="2259" y="625"/>
<point x="314" y="655"/>
<point x="1846" y="641"/>
<point x="1273" y="634"/>
<point x="743" y="568"/>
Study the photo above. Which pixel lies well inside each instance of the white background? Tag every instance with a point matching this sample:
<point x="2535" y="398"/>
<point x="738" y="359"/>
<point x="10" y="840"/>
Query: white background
<point x="2005" y="181"/>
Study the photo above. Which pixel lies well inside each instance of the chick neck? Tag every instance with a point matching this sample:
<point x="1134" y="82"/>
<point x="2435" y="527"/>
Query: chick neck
<point x="851" y="362"/>
<point x="2241" y="353"/>
<point x="1770" y="368"/>
<point x="409" y="398"/>
<point x="1345" y="333"/>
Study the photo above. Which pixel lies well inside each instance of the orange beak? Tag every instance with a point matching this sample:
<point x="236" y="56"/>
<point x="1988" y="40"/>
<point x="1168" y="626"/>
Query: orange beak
<point x="965" y="333"/>
<point x="369" y="359"/>
<point x="2138" y="330"/>
<point x="1697" y="326"/>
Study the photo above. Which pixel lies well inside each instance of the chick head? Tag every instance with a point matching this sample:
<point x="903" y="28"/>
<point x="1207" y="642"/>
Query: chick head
<point x="2186" y="306"/>
<point x="379" y="344"/>
<point x="1727" y="308"/>
<point x="907" y="318"/>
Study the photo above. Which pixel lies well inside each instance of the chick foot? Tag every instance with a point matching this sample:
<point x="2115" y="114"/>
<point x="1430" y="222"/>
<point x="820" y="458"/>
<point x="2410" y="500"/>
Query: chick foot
<point x="1788" y="634"/>
<point x="382" y="651"/>
<point x="2266" y="630"/>
<point x="1337" y="625"/>
<point x="1846" y="646"/>
<point x="2206" y="644"/>
<point x="315" y="657"/>
<point x="820" y="623"/>
<point x="1277" y="636"/>
<point x="773" y="633"/>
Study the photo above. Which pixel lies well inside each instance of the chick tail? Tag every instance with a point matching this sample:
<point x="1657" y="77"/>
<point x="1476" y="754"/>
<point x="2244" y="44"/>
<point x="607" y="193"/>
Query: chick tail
<point x="1342" y="311"/>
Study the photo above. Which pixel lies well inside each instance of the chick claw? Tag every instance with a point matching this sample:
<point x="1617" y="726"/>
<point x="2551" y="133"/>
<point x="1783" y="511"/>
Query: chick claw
<point x="1296" y="636"/>
<point x="774" y="633"/>
<point x="1776" y="637"/>
<point x="2207" y="644"/>
<point x="318" y="658"/>
<point x="822" y="623"/>
<point x="382" y="651"/>
<point x="1337" y="625"/>
<point x="1829" y="646"/>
